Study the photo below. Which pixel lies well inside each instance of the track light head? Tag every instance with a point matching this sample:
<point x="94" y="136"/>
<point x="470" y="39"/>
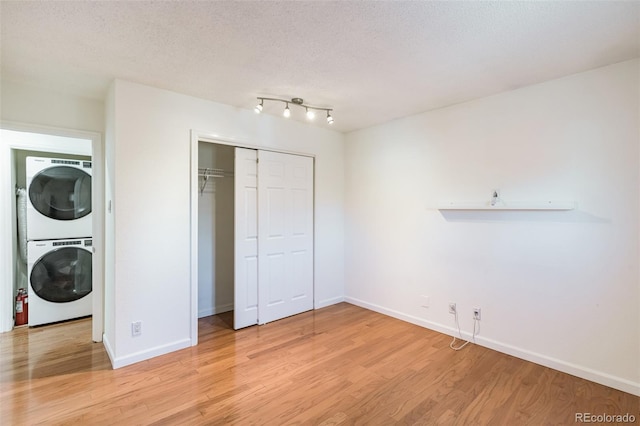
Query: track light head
<point x="258" y="108"/>
<point x="310" y="114"/>
<point x="287" y="111"/>
<point x="329" y="117"/>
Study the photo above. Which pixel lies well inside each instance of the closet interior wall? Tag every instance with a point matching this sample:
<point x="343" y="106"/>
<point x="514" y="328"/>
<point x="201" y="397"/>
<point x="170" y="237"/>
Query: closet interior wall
<point x="215" y="231"/>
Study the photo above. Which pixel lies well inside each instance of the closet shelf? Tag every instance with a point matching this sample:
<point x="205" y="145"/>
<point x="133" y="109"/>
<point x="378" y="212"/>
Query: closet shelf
<point x="546" y="205"/>
<point x="207" y="173"/>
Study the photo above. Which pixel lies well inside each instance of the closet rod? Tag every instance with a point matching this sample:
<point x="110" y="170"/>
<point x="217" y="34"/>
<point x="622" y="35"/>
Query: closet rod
<point x="211" y="172"/>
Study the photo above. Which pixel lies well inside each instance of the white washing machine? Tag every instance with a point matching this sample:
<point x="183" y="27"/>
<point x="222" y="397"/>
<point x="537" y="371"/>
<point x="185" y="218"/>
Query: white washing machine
<point x="59" y="198"/>
<point x="59" y="280"/>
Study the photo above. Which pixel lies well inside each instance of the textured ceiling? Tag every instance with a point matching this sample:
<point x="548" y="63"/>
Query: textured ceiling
<point x="371" y="61"/>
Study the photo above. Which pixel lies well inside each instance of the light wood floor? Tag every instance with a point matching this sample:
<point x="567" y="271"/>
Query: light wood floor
<point x="337" y="365"/>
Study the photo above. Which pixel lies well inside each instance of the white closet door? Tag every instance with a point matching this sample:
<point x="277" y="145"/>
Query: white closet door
<point x="246" y="238"/>
<point x="285" y="235"/>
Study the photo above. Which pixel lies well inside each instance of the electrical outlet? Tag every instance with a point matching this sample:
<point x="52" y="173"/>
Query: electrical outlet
<point x="424" y="301"/>
<point x="476" y="314"/>
<point x="136" y="328"/>
<point x="452" y="308"/>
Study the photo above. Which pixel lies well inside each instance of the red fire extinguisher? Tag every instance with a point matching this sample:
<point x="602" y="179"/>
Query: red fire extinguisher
<point x="22" y="307"/>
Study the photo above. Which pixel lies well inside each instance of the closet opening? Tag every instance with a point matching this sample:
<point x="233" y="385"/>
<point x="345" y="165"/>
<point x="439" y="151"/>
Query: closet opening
<point x="216" y="231"/>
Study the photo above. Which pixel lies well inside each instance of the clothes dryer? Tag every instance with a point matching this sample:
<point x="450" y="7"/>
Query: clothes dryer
<point x="60" y="281"/>
<point x="59" y="198"/>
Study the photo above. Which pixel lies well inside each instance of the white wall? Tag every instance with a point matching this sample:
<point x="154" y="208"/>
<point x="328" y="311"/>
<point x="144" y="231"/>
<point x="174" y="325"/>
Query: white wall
<point x="558" y="288"/>
<point x="150" y="177"/>
<point x="110" y="302"/>
<point x="215" y="232"/>
<point x="21" y="103"/>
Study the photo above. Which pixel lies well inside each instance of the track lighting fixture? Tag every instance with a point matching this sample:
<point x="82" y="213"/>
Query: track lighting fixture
<point x="310" y="110"/>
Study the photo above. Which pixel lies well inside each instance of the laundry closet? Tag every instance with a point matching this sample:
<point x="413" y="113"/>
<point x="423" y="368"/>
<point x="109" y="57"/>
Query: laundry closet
<point x="255" y="233"/>
<point x="53" y="242"/>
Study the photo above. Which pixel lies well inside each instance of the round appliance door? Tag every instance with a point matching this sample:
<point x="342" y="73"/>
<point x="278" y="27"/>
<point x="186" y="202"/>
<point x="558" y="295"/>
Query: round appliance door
<point x="62" y="275"/>
<point x="61" y="193"/>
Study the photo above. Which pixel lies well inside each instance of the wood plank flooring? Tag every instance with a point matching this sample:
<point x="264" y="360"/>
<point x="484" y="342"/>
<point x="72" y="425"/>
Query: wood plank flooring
<point x="338" y="365"/>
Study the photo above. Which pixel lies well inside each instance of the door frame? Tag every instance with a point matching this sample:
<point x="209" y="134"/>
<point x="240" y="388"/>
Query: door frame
<point x="6" y="223"/>
<point x="208" y="137"/>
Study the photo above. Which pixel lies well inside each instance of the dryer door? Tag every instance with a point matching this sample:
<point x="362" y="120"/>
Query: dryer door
<point x="62" y="275"/>
<point x="61" y="192"/>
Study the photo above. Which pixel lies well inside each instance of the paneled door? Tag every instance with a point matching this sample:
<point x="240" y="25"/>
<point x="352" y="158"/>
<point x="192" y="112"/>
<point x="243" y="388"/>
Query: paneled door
<point x="285" y="235"/>
<point x="246" y="238"/>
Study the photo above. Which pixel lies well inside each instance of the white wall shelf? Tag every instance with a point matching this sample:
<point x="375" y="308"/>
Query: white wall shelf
<point x="547" y="205"/>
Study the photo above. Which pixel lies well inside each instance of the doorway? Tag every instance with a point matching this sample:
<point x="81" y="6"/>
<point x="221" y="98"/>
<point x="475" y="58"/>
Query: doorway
<point x="18" y="142"/>
<point x="259" y="236"/>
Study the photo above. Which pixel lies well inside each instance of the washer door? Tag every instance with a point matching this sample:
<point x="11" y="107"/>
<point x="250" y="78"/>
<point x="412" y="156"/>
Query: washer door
<point x="61" y="193"/>
<point x="62" y="275"/>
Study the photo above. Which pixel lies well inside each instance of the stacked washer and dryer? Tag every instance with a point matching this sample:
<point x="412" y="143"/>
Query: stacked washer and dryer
<point x="59" y="242"/>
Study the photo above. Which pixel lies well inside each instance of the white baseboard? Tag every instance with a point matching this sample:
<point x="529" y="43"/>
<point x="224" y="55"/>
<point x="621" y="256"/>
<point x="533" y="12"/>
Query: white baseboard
<point x="107" y="347"/>
<point x="554" y="363"/>
<point x="215" y="310"/>
<point x="328" y="302"/>
<point x="143" y="355"/>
